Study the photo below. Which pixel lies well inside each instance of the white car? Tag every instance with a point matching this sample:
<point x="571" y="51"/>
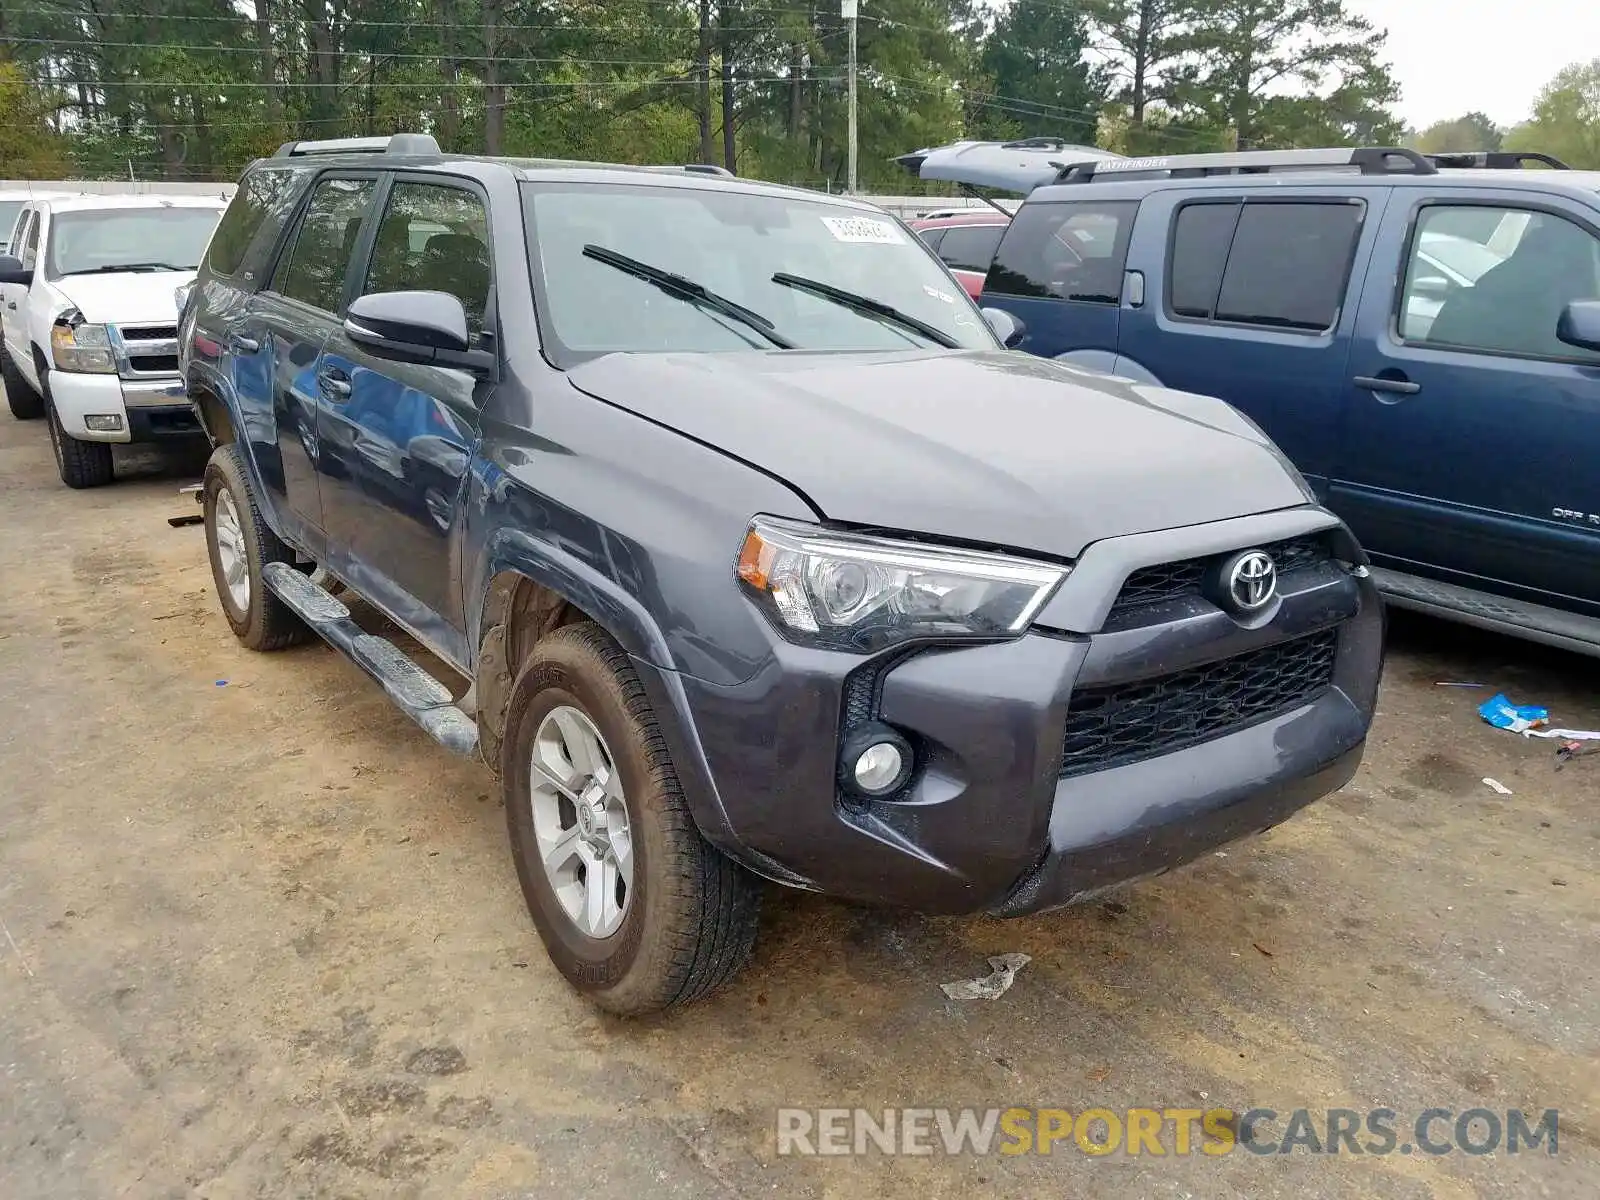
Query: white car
<point x="88" y="307"/>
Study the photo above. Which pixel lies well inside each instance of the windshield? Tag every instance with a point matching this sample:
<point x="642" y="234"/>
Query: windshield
<point x="129" y="239"/>
<point x="8" y="218"/>
<point x="732" y="244"/>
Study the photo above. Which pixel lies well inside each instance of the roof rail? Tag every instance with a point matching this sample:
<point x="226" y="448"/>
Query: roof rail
<point x="1369" y="160"/>
<point x="399" y="143"/>
<point x="1495" y="159"/>
<point x="707" y="169"/>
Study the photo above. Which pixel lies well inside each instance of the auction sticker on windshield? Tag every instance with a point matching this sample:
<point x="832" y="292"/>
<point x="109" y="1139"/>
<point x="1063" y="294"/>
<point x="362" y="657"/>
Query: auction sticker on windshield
<point x="863" y="229"/>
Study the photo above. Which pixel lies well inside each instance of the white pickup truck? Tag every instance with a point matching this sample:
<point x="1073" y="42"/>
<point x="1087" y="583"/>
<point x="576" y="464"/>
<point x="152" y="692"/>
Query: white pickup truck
<point x="90" y="321"/>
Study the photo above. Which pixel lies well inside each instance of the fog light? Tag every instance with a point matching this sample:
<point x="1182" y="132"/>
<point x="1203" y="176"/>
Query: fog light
<point x="103" y="422"/>
<point x="876" y="761"/>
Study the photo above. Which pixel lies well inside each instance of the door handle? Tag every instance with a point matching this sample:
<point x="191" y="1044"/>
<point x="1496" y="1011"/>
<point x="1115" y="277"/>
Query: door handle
<point x="334" y="383"/>
<point x="12" y="305"/>
<point x="1377" y="383"/>
<point x="246" y="345"/>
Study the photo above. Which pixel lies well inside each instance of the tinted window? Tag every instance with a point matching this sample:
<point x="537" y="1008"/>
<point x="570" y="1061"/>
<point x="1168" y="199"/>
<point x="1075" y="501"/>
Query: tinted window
<point x="313" y="270"/>
<point x="434" y="239"/>
<point x="10" y="210"/>
<point x="1071" y="251"/>
<point x="1200" y="239"/>
<point x="970" y="247"/>
<point x="1497" y="280"/>
<point x="932" y="237"/>
<point x="30" y="247"/>
<point x="1288" y="265"/>
<point x="264" y="200"/>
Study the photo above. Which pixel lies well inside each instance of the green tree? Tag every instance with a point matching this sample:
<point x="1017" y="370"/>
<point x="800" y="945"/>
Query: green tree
<point x="1566" y="118"/>
<point x="1142" y="40"/>
<point x="1035" y="56"/>
<point x="29" y="147"/>
<point x="1470" y="131"/>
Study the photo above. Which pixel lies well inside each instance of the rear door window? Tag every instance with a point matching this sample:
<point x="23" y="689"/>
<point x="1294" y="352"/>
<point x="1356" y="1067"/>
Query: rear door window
<point x="313" y="268"/>
<point x="1282" y="265"/>
<point x="970" y="247"/>
<point x="1070" y="251"/>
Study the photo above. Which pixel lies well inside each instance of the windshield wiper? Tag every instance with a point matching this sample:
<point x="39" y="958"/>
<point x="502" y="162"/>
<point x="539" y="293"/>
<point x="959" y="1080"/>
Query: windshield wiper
<point x="139" y="266"/>
<point x="868" y="306"/>
<point x="687" y="289"/>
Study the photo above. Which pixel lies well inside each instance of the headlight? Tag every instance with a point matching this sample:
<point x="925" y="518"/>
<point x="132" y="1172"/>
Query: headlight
<point x="863" y="593"/>
<point x="82" y="347"/>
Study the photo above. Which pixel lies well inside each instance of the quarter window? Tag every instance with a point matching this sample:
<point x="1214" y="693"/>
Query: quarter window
<point x="434" y="239"/>
<point x="30" y="248"/>
<point x="1496" y="280"/>
<point x="970" y="247"/>
<point x="1280" y="265"/>
<point x="1072" y="251"/>
<point x="313" y="269"/>
<point x="264" y="201"/>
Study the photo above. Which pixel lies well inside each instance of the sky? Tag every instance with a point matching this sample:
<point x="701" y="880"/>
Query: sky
<point x="1454" y="56"/>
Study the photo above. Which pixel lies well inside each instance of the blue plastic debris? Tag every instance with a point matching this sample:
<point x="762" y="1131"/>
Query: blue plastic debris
<point x="1518" y="718"/>
<point x="222" y="683"/>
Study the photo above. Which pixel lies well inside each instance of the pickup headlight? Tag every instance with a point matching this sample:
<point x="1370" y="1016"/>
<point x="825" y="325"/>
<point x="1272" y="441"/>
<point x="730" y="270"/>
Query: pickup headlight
<point x="82" y="347"/>
<point x="850" y="592"/>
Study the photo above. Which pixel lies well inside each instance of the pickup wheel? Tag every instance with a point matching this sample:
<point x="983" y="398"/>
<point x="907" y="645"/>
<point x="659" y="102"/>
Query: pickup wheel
<point x="239" y="544"/>
<point x="635" y="908"/>
<point x="25" y="403"/>
<point x="80" y="464"/>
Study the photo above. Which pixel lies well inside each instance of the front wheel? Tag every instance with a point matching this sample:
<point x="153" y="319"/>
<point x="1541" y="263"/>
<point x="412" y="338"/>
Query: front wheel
<point x="239" y="543"/>
<point x="635" y="908"/>
<point x="80" y="464"/>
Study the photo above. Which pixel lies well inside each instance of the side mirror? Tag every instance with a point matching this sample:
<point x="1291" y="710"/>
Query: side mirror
<point x="1579" y="324"/>
<point x="1007" y="328"/>
<point x="420" y="327"/>
<point x="12" y="271"/>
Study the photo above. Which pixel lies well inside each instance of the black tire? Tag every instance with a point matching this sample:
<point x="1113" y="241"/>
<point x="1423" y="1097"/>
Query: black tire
<point x="691" y="920"/>
<point x="25" y="403"/>
<point x="265" y="622"/>
<point x="80" y="464"/>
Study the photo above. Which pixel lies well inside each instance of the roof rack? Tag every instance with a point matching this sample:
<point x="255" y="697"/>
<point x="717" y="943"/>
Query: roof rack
<point x="1495" y="159"/>
<point x="399" y="143"/>
<point x="707" y="169"/>
<point x="1369" y="160"/>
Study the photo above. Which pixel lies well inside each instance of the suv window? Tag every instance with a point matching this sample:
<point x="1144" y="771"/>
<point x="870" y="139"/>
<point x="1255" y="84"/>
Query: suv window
<point x="1282" y="264"/>
<point x="434" y="238"/>
<point x="970" y="247"/>
<point x="313" y="269"/>
<point x="264" y="201"/>
<point x="1073" y="251"/>
<point x="1469" y="284"/>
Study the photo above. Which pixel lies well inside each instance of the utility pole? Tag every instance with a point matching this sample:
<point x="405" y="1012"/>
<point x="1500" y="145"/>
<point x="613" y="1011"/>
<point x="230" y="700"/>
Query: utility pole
<point x="847" y="10"/>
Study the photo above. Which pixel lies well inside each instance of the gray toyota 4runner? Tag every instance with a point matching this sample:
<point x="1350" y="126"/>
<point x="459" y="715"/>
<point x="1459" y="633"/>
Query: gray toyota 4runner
<point x="746" y="550"/>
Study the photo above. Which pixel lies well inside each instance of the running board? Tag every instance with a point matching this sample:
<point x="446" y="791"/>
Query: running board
<point x="1536" y="622"/>
<point x="416" y="693"/>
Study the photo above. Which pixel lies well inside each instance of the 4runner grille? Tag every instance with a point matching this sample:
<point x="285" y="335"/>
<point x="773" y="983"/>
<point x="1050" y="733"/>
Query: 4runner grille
<point x="1176" y="580"/>
<point x="1120" y="724"/>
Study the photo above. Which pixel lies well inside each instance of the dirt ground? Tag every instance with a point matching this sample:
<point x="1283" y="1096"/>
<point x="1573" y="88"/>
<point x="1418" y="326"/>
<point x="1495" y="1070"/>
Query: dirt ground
<point x="261" y="938"/>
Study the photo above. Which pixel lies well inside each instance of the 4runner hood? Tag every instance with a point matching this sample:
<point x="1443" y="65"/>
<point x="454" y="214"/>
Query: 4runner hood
<point x="133" y="298"/>
<point x="1009" y="166"/>
<point x="986" y="447"/>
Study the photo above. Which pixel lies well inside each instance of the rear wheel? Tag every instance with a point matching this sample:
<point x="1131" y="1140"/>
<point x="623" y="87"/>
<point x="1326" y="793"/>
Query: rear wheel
<point x="635" y="908"/>
<point x="240" y="543"/>
<point x="80" y="464"/>
<point x="25" y="403"/>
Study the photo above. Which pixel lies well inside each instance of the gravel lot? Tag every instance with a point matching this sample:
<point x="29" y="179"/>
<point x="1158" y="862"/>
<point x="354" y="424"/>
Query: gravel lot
<point x="263" y="939"/>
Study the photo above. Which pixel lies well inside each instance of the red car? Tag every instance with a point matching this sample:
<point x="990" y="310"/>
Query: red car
<point x="966" y="242"/>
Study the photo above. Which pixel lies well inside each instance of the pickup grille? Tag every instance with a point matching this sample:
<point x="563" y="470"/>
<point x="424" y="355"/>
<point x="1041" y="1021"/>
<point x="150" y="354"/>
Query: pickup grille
<point x="148" y="350"/>
<point x="1115" y="725"/>
<point x="1176" y="580"/>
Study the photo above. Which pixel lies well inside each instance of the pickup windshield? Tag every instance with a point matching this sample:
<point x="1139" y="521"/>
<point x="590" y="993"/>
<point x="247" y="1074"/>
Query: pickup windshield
<point x="743" y="248"/>
<point x="85" y="241"/>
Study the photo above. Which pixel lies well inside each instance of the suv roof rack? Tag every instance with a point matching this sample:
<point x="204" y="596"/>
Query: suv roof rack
<point x="707" y="169"/>
<point x="398" y="143"/>
<point x="1495" y="159"/>
<point x="1369" y="160"/>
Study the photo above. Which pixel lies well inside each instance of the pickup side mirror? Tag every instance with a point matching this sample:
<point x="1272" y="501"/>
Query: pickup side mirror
<point x="1579" y="324"/>
<point x="12" y="270"/>
<point x="420" y="327"/>
<point x="1007" y="328"/>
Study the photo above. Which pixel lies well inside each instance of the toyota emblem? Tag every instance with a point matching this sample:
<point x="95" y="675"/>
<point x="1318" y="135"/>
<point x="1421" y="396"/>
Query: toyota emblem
<point x="1250" y="581"/>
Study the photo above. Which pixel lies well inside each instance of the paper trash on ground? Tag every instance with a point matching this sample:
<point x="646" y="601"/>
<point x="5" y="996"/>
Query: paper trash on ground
<point x="991" y="986"/>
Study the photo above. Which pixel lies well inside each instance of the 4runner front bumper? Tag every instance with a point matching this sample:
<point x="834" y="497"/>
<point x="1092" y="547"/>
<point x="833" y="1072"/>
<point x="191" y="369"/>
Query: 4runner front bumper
<point x="1064" y="762"/>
